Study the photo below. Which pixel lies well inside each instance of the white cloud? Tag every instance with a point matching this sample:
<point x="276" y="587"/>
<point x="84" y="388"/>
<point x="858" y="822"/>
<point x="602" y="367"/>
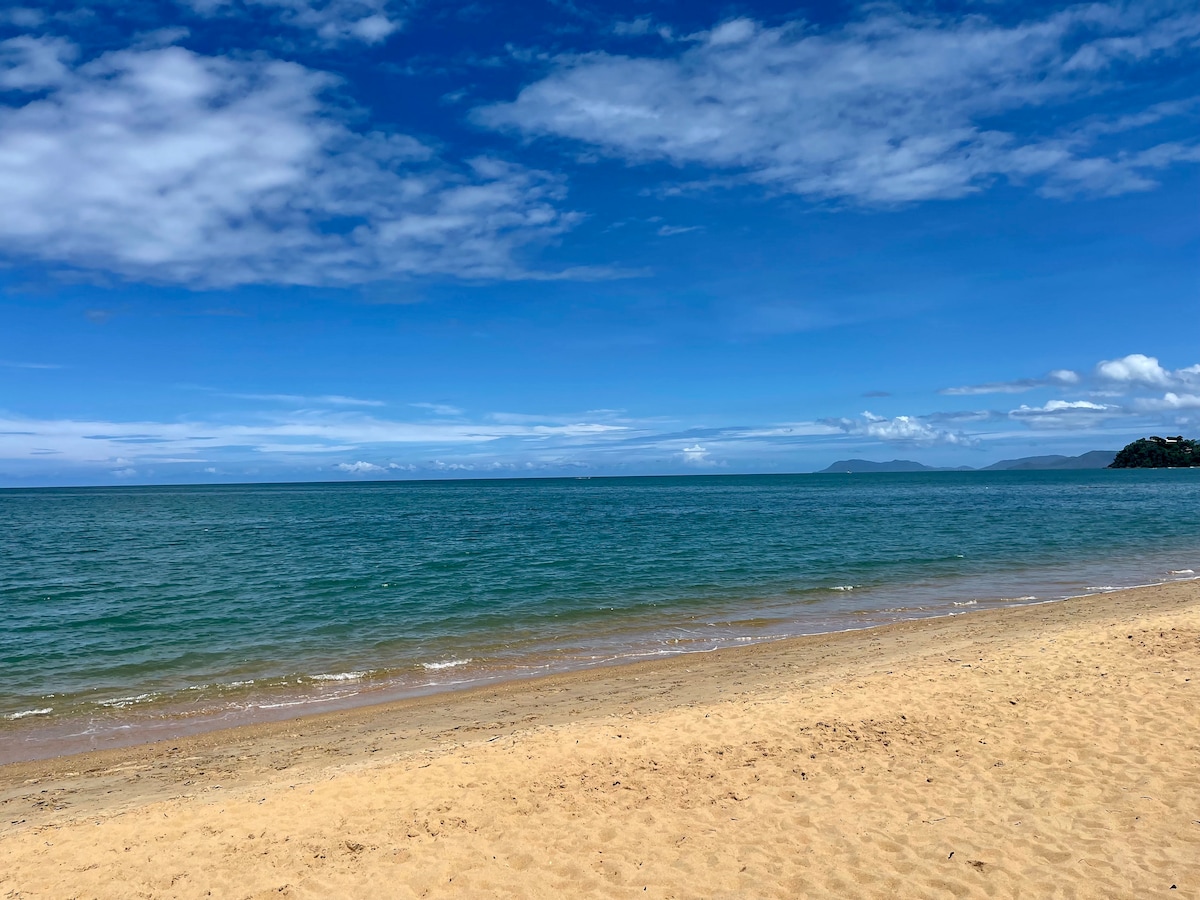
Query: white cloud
<point x="889" y="109"/>
<point x="697" y="456"/>
<point x="167" y="165"/>
<point x="33" y="64"/>
<point x="439" y="409"/>
<point x="302" y="400"/>
<point x="22" y="17"/>
<point x="1170" y="401"/>
<point x="1111" y="377"/>
<point x="1134" y="369"/>
<point x="9" y="364"/>
<point x="638" y="27"/>
<point x="332" y="21"/>
<point x="1057" y="378"/>
<point x="899" y="430"/>
<point x="85" y="442"/>
<point x="360" y="468"/>
<point x="1068" y="414"/>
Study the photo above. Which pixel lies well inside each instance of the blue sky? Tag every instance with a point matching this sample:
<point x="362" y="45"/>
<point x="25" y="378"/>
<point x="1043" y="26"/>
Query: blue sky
<point x="344" y="239"/>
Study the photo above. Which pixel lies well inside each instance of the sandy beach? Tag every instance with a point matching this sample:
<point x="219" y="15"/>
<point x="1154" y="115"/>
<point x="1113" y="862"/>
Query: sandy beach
<point x="1042" y="751"/>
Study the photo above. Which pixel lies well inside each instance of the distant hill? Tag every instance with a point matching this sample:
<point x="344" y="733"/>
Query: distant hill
<point x="1093" y="459"/>
<point x="857" y="466"/>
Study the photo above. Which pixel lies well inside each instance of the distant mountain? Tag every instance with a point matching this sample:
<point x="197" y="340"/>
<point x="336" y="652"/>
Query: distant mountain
<point x="1094" y="459"/>
<point x="857" y="466"/>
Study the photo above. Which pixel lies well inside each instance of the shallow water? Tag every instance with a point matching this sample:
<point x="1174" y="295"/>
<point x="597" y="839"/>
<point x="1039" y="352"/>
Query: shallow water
<point x="143" y="610"/>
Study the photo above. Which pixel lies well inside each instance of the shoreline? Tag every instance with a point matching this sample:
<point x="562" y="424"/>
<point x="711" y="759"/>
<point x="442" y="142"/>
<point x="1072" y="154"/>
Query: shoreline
<point x="31" y="738"/>
<point x="1052" y="743"/>
<point x="364" y="714"/>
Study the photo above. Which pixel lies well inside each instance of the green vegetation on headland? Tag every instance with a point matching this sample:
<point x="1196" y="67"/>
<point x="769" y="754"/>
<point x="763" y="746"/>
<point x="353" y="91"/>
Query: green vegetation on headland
<point x="1158" y="453"/>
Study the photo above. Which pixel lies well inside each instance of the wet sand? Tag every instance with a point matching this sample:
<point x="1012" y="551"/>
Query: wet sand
<point x="1040" y="751"/>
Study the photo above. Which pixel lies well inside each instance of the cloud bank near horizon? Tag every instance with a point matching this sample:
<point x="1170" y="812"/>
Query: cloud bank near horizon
<point x="330" y="434"/>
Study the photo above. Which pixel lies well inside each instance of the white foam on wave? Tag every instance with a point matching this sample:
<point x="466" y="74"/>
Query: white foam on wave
<point x="24" y="714"/>
<point x="122" y="702"/>
<point x="843" y="587"/>
<point x="966" y="603"/>
<point x="341" y="676"/>
<point x="1181" y="572"/>
<point x="446" y="664"/>
<point x="305" y="701"/>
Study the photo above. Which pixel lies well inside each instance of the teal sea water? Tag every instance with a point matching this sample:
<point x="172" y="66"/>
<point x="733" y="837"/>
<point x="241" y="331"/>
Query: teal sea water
<point x="133" y="613"/>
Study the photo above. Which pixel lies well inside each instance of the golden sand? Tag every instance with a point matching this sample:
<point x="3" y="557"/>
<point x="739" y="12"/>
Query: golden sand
<point x="1044" y="751"/>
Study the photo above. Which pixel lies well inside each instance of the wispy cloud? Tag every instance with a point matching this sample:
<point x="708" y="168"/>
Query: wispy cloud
<point x="439" y="409"/>
<point x="888" y="109"/>
<point x="11" y="364"/>
<point x="1111" y="376"/>
<point x="167" y="165"/>
<point x="331" y="21"/>
<point x="303" y="433"/>
<point x="346" y="436"/>
<point x="1066" y="414"/>
<point x="1057" y="378"/>
<point x="303" y="400"/>
<point x="1115" y="390"/>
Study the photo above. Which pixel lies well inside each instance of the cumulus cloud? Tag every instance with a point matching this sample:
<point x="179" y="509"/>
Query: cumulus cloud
<point x="900" y="430"/>
<point x="360" y="468"/>
<point x="1134" y="369"/>
<point x="696" y="456"/>
<point x="1169" y="402"/>
<point x="167" y="165"/>
<point x="332" y="21"/>
<point x="889" y="109"/>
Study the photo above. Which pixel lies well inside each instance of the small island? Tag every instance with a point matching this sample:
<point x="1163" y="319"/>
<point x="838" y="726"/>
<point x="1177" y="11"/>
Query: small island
<point x="1158" y="453"/>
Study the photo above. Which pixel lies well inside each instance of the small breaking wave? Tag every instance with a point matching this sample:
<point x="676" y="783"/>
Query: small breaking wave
<point x="24" y="714"/>
<point x="966" y="603"/>
<point x="1181" y="572"/>
<point x="843" y="587"/>
<point x="341" y="676"/>
<point x="122" y="702"/>
<point x="446" y="664"/>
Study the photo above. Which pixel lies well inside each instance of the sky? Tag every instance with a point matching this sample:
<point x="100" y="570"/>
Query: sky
<point x="294" y="240"/>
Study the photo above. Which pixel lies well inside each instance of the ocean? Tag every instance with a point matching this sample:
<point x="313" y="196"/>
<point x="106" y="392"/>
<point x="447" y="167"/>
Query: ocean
<point x="133" y="613"/>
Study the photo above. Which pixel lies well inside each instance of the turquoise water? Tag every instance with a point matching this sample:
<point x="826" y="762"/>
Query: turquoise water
<point x="140" y="611"/>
